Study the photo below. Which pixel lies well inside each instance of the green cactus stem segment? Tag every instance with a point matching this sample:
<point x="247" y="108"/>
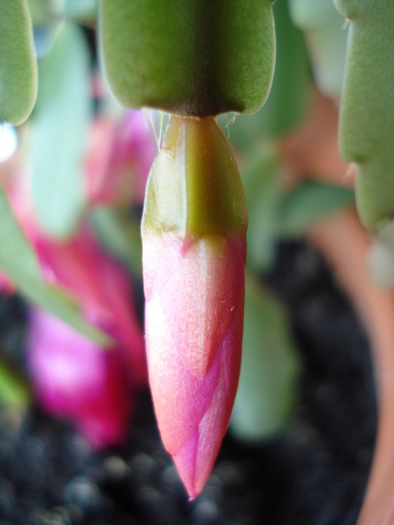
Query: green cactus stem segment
<point x="326" y="38"/>
<point x="18" y="65"/>
<point x="289" y="99"/>
<point x="194" y="188"/>
<point x="366" y="127"/>
<point x="194" y="57"/>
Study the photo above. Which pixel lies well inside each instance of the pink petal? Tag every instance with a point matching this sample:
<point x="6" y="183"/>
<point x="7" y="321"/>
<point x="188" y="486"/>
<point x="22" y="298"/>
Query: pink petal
<point x="75" y="379"/>
<point x="120" y="159"/>
<point x="199" y="286"/>
<point x="161" y="255"/>
<point x="204" y="284"/>
<point x="196" y="459"/>
<point x="199" y="300"/>
<point x="103" y="288"/>
<point x="179" y="397"/>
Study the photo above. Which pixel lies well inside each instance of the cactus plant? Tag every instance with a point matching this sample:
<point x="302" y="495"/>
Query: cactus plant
<point x="367" y="107"/>
<point x="196" y="60"/>
<point x="18" y="66"/>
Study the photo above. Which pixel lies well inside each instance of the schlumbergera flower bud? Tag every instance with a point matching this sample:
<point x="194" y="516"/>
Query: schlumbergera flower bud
<point x="194" y="253"/>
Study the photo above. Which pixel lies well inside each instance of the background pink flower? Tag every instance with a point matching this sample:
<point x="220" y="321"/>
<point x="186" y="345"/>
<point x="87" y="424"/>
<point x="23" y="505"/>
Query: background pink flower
<point x="119" y="161"/>
<point x="75" y="379"/>
<point x="103" y="288"/>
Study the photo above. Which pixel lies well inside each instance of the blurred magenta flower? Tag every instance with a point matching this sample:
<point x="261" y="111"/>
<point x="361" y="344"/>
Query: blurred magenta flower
<point x="71" y="375"/>
<point x="194" y="254"/>
<point x="103" y="288"/>
<point x="74" y="379"/>
<point x="101" y="285"/>
<point x="119" y="161"/>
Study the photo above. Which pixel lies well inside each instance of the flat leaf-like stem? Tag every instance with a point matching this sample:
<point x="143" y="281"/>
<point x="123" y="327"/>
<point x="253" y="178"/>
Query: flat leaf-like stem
<point x="18" y="65"/>
<point x="60" y="134"/>
<point x="194" y="57"/>
<point x="19" y="261"/>
<point x="289" y="99"/>
<point x="326" y="37"/>
<point x="268" y="383"/>
<point x="366" y="127"/>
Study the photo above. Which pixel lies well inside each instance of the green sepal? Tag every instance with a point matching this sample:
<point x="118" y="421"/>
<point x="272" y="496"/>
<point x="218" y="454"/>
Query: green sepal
<point x="18" y="64"/>
<point x="194" y="57"/>
<point x="366" y="127"/>
<point x="194" y="187"/>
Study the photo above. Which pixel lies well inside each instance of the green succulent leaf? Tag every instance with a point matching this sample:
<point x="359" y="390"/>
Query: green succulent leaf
<point x="120" y="234"/>
<point x="195" y="57"/>
<point x="263" y="194"/>
<point x="19" y="261"/>
<point x="267" y="390"/>
<point x="352" y="9"/>
<point x="18" y="65"/>
<point x="311" y="13"/>
<point x="326" y="37"/>
<point x="289" y="98"/>
<point x="309" y="202"/>
<point x="81" y="10"/>
<point x="43" y="12"/>
<point x="366" y="127"/>
<point x="60" y="134"/>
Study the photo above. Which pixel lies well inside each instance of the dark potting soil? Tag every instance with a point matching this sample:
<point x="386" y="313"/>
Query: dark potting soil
<point x="314" y="473"/>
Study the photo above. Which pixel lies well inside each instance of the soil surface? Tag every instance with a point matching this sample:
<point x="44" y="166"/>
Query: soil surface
<point x="314" y="473"/>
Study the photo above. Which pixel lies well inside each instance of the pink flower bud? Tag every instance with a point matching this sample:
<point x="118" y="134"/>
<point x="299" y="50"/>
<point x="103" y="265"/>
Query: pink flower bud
<point x="75" y="379"/>
<point x="194" y="254"/>
<point x="120" y="159"/>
